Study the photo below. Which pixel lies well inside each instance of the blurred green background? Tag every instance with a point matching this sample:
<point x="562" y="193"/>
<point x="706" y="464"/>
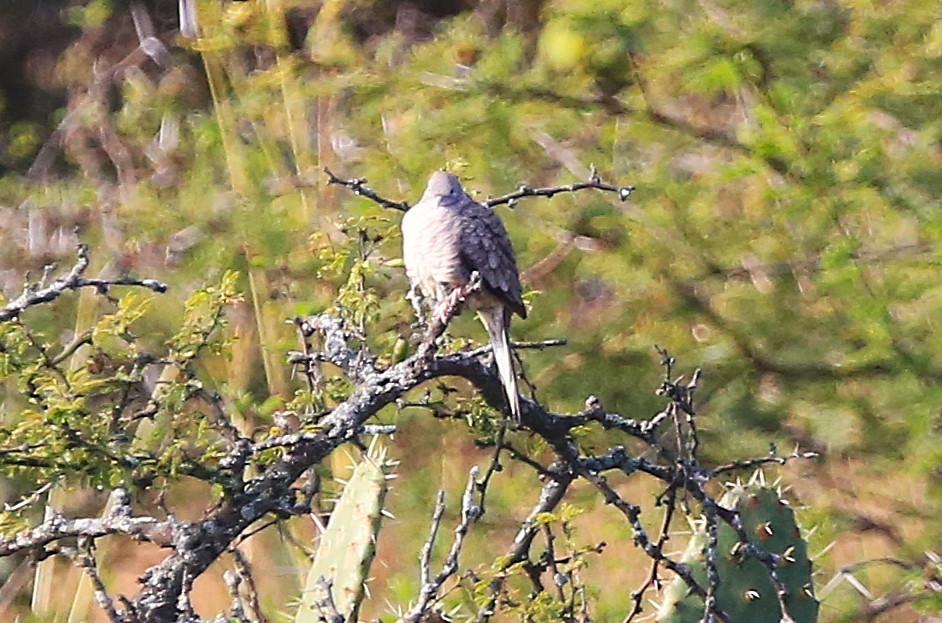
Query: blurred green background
<point x="784" y="234"/>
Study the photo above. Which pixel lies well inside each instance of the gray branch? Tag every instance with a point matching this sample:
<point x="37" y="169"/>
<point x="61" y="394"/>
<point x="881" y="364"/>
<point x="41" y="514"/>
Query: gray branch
<point x="431" y="586"/>
<point x="550" y="496"/>
<point x="595" y="182"/>
<point x="359" y="187"/>
<point x="56" y="527"/>
<point x="38" y="293"/>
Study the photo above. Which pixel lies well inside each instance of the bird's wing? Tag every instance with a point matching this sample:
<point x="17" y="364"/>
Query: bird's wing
<point x="485" y="247"/>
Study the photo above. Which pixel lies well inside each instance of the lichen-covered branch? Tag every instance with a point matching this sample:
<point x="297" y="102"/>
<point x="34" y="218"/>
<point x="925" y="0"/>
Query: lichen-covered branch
<point x="120" y="520"/>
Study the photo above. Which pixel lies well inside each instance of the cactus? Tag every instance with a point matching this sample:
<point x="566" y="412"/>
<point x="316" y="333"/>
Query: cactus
<point x="347" y="546"/>
<point x="746" y="592"/>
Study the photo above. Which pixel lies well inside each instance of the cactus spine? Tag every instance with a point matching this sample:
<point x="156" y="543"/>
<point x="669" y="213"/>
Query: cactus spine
<point x="746" y="592"/>
<point x="347" y="546"/>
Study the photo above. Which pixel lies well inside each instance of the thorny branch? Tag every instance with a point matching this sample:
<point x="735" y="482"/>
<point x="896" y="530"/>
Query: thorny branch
<point x="237" y="610"/>
<point x="253" y="496"/>
<point x="551" y="495"/>
<point x="328" y="607"/>
<point x="86" y="560"/>
<point x="653" y="580"/>
<point x="772" y="458"/>
<point x="243" y="570"/>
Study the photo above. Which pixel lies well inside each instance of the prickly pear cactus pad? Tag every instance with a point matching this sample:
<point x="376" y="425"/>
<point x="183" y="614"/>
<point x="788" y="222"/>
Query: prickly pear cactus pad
<point x="348" y="544"/>
<point x="746" y="593"/>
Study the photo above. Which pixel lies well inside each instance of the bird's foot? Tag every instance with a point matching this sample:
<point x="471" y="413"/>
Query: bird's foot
<point x="451" y="305"/>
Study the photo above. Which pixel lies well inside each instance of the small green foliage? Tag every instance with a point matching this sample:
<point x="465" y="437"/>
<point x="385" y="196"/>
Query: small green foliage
<point x="14" y="349"/>
<point x="92" y="15"/>
<point x="480" y="417"/>
<point x="78" y="422"/>
<point x="355" y="263"/>
<point x="563" y="515"/>
<point x="564" y="594"/>
<point x="204" y="313"/>
<point x="112" y="335"/>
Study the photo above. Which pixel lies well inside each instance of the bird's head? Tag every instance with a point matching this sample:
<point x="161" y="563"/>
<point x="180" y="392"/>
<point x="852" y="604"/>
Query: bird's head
<point x="444" y="188"/>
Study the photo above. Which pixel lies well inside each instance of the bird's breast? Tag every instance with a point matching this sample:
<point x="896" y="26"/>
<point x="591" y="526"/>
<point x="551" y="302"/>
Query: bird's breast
<point x="430" y="248"/>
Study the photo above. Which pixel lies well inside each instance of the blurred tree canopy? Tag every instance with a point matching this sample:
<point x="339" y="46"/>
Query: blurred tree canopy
<point x="784" y="234"/>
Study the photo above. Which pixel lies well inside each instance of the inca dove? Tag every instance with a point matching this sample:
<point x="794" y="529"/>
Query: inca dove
<point x="445" y="238"/>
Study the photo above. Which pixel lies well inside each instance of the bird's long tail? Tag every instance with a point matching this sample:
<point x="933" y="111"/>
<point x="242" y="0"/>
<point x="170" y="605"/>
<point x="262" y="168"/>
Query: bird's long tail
<point x="495" y="321"/>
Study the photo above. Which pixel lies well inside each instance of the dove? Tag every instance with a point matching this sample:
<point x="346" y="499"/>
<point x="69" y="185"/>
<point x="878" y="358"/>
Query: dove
<point x="446" y="238"/>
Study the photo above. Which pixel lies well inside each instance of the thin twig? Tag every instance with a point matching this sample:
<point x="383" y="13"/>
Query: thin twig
<point x="633" y="513"/>
<point x="431" y="586"/>
<point x="327" y="605"/>
<point x="760" y="461"/>
<point x="539" y="345"/>
<point x="26" y="500"/>
<point x="594" y="182"/>
<point x="494" y="465"/>
<point x="244" y="570"/>
<point x="519" y="455"/>
<point x="713" y="575"/>
<point x="359" y="187"/>
<point x="425" y="558"/>
<point x="86" y="560"/>
<point x="551" y="495"/>
<point x="220" y="418"/>
<point x="237" y="611"/>
<point x="550" y="556"/>
<point x="669" y="500"/>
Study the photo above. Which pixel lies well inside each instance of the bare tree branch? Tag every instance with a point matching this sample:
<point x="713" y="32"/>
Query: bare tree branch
<point x="119" y="521"/>
<point x="359" y="187"/>
<point x="431" y="586"/>
<point x="772" y="459"/>
<point x="550" y="496"/>
<point x="35" y="294"/>
<point x="328" y="607"/>
<point x="252" y="497"/>
<point x="244" y="570"/>
<point x="86" y="560"/>
<point x="653" y="580"/>
<point x="595" y="182"/>
<point x="237" y="611"/>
